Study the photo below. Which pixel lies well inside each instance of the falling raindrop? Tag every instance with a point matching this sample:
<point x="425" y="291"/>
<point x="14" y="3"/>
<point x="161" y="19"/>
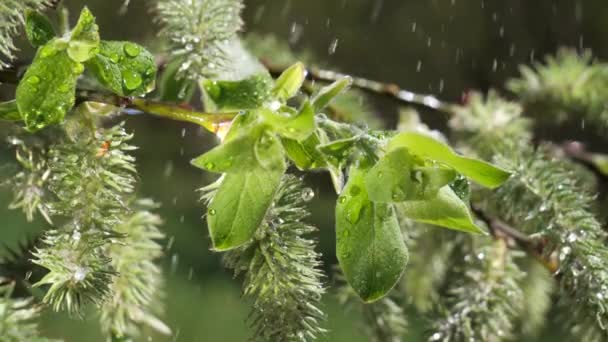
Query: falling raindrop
<point x="333" y="46"/>
<point x="307" y="194"/>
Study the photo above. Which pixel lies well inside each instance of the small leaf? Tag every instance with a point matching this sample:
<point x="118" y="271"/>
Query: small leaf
<point x="423" y="145"/>
<point x="339" y="150"/>
<point x="38" y="28"/>
<point x="239" y="206"/>
<point x="446" y="210"/>
<point x="290" y="81"/>
<point x="46" y="92"/>
<point x="9" y="111"/>
<point x="269" y="151"/>
<point x="304" y="154"/>
<point x="125" y="68"/>
<point x="297" y="127"/>
<point x="249" y="93"/>
<point x="84" y="40"/>
<point x="328" y="93"/>
<point x="370" y="246"/>
<point x="174" y="88"/>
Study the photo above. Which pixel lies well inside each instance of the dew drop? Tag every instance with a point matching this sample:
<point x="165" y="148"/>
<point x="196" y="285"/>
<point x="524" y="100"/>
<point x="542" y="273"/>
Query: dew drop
<point x="209" y="166"/>
<point x="308" y="194"/>
<point x="564" y="253"/>
<point x="131" y="79"/>
<point x="212" y="212"/>
<point x="33" y="80"/>
<point x="342" y="199"/>
<point x="114" y="57"/>
<point x="131" y="50"/>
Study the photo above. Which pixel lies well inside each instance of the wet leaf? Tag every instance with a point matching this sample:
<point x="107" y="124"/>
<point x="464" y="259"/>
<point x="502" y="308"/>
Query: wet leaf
<point x="304" y="154"/>
<point x="84" y="40"/>
<point x="125" y="68"/>
<point x="446" y="210"/>
<point x="298" y="127"/>
<point x="249" y="93"/>
<point x="370" y="246"/>
<point x="174" y="88"/>
<point x="477" y="170"/>
<point x="46" y="92"/>
<point x="38" y="28"/>
<point x="240" y="204"/>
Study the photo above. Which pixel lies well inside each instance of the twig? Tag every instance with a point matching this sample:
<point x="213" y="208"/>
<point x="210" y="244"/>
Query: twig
<point x="391" y="90"/>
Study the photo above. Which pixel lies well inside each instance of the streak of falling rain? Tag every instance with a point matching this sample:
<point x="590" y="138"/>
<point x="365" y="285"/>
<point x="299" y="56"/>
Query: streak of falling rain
<point x="183" y="132"/>
<point x="376" y="11"/>
<point x="259" y="12"/>
<point x="174" y="263"/>
<point x="414" y="24"/>
<point x="333" y="46"/>
<point x="168" y="171"/>
<point x="295" y="33"/>
<point x="181" y="219"/>
<point x="419" y="66"/>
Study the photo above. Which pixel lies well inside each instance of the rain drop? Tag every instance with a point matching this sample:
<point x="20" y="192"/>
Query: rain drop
<point x="33" y="80"/>
<point x="131" y="50"/>
<point x="307" y="194"/>
<point x="342" y="199"/>
<point x="131" y="79"/>
<point x="212" y="212"/>
<point x="333" y="46"/>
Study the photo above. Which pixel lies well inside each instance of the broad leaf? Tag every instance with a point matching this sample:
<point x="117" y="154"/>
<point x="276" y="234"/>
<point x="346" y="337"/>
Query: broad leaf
<point x="423" y="145"/>
<point x="446" y="210"/>
<point x="84" y="40"/>
<point x="370" y="246"/>
<point x="38" y="28"/>
<point x="290" y="81"/>
<point x="249" y="93"/>
<point x="297" y="127"/>
<point x="326" y="94"/>
<point x="239" y="206"/>
<point x="125" y="68"/>
<point x="47" y="89"/>
<point x="9" y="111"/>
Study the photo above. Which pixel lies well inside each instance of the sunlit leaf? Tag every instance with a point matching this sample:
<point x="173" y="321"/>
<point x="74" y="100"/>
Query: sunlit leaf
<point x="125" y="68"/>
<point x="84" y="40"/>
<point x="297" y="127"/>
<point x="328" y="93"/>
<point x="290" y="81"/>
<point x="370" y="247"/>
<point x="249" y="93"/>
<point x="46" y="92"/>
<point x="423" y="145"/>
<point x="446" y="210"/>
<point x="240" y="204"/>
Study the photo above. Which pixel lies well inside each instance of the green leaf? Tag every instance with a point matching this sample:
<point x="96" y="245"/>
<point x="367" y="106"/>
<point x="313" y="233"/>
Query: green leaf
<point x="231" y="156"/>
<point x="297" y="127"/>
<point x="339" y="150"/>
<point x="390" y="179"/>
<point x="9" y="111"/>
<point x="370" y="246"/>
<point x="38" y="28"/>
<point x="173" y="87"/>
<point x="423" y="145"/>
<point x="125" y="68"/>
<point x="84" y="39"/>
<point x="445" y="210"/>
<point x="290" y="81"/>
<point x="328" y="93"/>
<point x="239" y="206"/>
<point x="46" y="92"/>
<point x="304" y="154"/>
<point x="249" y="93"/>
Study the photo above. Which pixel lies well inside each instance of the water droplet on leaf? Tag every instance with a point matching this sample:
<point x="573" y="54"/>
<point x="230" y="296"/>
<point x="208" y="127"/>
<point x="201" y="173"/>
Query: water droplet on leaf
<point x="131" y="79"/>
<point x="131" y="50"/>
<point x="212" y="212"/>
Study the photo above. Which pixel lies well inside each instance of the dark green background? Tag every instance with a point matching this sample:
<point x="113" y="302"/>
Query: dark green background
<point x="444" y="47"/>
